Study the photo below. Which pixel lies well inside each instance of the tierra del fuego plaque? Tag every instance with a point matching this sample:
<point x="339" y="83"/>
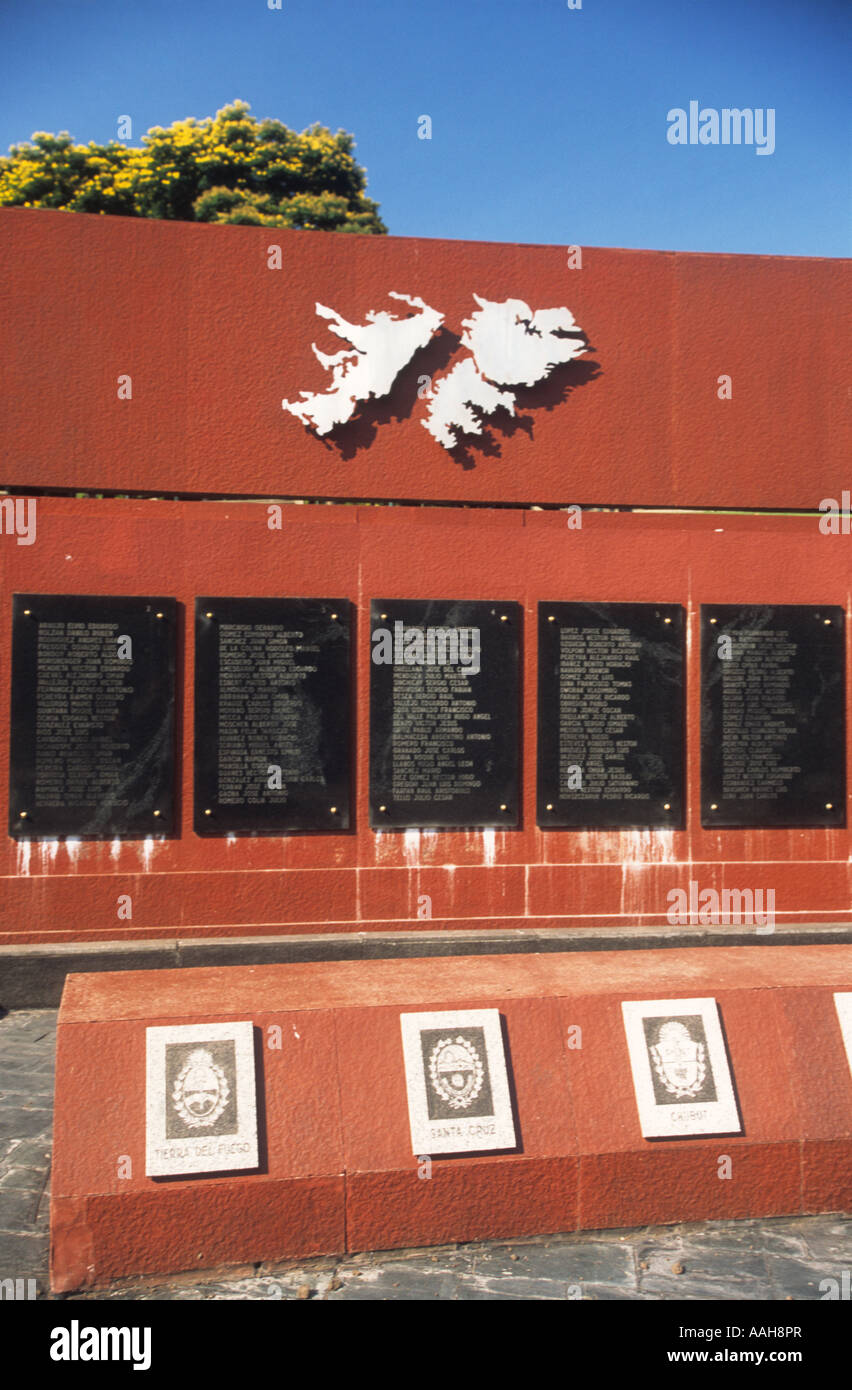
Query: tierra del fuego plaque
<point x="444" y="714"/>
<point x="610" y="715"/>
<point x="272" y="715"/>
<point x="773" y="747"/>
<point x="92" y="720"/>
<point x="200" y="1107"/>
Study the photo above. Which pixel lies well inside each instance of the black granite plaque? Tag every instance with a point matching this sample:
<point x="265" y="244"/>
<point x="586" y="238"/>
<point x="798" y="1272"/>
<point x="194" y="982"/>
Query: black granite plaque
<point x="444" y="714"/>
<point x="92" y="728"/>
<point x="773" y="749"/>
<point x="610" y="715"/>
<point x="272" y="715"/>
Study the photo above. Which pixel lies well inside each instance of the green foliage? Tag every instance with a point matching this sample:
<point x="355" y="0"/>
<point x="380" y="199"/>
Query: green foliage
<point x="230" y="168"/>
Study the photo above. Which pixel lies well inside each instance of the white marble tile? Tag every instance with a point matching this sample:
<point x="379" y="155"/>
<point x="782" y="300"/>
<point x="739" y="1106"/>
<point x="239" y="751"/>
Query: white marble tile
<point x="200" y="1099"/>
<point x="458" y="1089"/>
<point x="843" y="1004"/>
<point x="680" y="1069"/>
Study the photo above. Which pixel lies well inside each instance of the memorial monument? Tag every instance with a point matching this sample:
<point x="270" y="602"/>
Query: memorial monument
<point x="263" y="731"/>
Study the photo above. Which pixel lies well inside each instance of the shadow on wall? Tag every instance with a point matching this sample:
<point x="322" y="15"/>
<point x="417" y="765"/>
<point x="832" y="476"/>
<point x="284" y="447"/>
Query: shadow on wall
<point x="357" y="434"/>
<point x="545" y="395"/>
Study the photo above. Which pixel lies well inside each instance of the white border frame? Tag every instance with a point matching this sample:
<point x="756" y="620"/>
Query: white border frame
<point x="682" y="1117"/>
<point x="204" y="1154"/>
<point x="843" y="1005"/>
<point x="472" y="1134"/>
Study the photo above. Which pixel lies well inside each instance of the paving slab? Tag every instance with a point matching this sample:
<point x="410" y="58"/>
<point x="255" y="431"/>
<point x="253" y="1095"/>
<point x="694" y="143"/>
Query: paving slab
<point x="799" y="1279"/>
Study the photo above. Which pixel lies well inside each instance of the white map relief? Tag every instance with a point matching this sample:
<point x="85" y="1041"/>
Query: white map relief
<point x="460" y="400"/>
<point x="514" y="346"/>
<point x="368" y="369"/>
<point x="510" y="345"/>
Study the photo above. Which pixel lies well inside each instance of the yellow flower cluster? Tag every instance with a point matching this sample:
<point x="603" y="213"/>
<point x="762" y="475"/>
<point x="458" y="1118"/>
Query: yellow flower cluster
<point x="224" y="168"/>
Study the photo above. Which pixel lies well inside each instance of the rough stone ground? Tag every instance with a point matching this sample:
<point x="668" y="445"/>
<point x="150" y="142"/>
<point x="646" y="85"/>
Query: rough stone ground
<point x="782" y="1258"/>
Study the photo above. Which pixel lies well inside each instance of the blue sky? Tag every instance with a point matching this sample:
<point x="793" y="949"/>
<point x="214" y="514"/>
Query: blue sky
<point x="548" y="123"/>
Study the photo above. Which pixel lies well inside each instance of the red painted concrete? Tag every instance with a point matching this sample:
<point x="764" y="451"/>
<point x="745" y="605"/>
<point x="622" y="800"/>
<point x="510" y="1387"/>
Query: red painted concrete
<point x="365" y="881"/>
<point x="625" y="1181"/>
<point x="111" y="1224"/>
<point x="337" y="1171"/>
<point x="387" y="1203"/>
<point x="213" y="340"/>
<point x="827" y="1125"/>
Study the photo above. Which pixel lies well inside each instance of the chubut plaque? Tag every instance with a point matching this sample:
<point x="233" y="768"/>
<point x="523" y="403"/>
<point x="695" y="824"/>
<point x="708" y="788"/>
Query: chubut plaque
<point x="201" y="1112"/>
<point x="680" y="1068"/>
<point x="272" y="715"/>
<point x="93" y="693"/>
<point x="444" y="714"/>
<point x="457" y="1082"/>
<point x="773" y="716"/>
<point x="610" y="715"/>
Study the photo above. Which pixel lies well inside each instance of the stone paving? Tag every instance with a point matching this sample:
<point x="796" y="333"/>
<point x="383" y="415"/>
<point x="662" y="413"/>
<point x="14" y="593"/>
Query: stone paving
<point x="787" y="1258"/>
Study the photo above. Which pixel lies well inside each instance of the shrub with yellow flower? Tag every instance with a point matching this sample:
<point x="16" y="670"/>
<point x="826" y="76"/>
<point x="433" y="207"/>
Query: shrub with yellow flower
<point x="227" y="168"/>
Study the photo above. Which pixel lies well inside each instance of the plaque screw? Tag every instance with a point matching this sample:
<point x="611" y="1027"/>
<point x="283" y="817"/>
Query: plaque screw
<point x="503" y="806"/>
<point x="207" y="811"/>
<point x="667" y="806"/>
<point x="829" y="806"/>
<point x="159" y="615"/>
<point x="28" y="612"/>
<point x="208" y="615"/>
<point x="383" y="616"/>
<point x="713" y="806"/>
<point x="714" y="620"/>
<point x="827" y="622"/>
<point x="334" y="615"/>
<point x="157" y="813"/>
<point x="383" y="808"/>
<point x="666" y="620"/>
<point x="504" y="618"/>
<point x="551" y="618"/>
<point x="23" y="814"/>
<point x="549" y="806"/>
<point x="333" y="810"/>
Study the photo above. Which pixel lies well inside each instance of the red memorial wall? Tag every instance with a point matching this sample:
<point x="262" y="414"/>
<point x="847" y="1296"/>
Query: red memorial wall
<point x="151" y="360"/>
<point x="213" y="327"/>
<point x="367" y="880"/>
<point x="214" y="339"/>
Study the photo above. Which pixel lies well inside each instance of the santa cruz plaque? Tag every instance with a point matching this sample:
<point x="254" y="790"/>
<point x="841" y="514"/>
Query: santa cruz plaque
<point x="457" y="1083"/>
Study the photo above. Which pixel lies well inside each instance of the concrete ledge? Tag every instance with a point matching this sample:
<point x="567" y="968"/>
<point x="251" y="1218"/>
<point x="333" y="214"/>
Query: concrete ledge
<point x="338" y="1172"/>
<point x="32" y="977"/>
